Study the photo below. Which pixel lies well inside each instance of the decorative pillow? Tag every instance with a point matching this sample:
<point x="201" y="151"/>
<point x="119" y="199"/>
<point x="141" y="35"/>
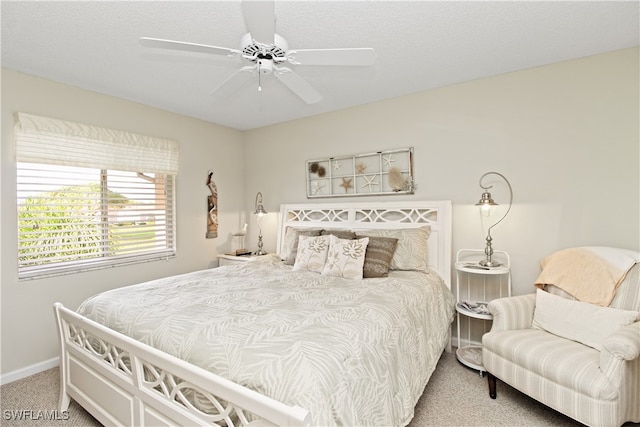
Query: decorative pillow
<point x="345" y="257"/>
<point x="312" y="253"/>
<point x="411" y="251"/>
<point x="290" y="239"/>
<point x="290" y="244"/>
<point x="377" y="259"/>
<point x="340" y="234"/>
<point x="579" y="321"/>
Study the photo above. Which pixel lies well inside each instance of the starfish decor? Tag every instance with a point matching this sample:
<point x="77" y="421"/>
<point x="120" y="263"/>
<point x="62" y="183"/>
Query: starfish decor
<point x="317" y="186"/>
<point x="370" y="182"/>
<point x="346" y="184"/>
<point x="388" y="159"/>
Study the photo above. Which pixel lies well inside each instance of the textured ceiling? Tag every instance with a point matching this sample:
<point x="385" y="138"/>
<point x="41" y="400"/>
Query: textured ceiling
<point x="420" y="45"/>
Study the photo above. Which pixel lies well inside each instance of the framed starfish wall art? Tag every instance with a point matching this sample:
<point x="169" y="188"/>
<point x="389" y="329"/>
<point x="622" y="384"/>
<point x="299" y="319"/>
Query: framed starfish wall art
<point x="382" y="172"/>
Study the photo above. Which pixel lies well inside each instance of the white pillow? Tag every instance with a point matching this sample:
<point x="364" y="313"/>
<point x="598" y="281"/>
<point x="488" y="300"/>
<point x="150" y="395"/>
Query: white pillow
<point x="411" y="251"/>
<point x="586" y="323"/>
<point x="345" y="257"/>
<point x="312" y="253"/>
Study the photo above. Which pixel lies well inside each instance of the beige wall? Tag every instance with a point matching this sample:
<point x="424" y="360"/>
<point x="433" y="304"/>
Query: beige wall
<point x="565" y="135"/>
<point x="28" y="332"/>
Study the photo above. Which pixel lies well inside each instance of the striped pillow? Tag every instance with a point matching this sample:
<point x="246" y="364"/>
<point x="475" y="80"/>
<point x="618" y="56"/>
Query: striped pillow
<point x="377" y="259"/>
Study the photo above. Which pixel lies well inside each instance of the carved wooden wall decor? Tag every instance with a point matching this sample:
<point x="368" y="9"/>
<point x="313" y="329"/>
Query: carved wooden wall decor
<point x="212" y="208"/>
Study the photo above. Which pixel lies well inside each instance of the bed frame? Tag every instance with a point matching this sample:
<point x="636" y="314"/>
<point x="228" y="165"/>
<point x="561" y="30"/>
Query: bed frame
<point x="121" y="381"/>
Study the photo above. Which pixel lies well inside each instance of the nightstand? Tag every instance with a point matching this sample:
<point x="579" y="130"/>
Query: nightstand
<point x="225" y="259"/>
<point x="481" y="285"/>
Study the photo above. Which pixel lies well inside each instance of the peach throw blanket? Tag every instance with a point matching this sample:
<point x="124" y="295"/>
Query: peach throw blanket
<point x="590" y="274"/>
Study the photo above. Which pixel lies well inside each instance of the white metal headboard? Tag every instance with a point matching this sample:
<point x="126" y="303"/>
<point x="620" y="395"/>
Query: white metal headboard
<point x="360" y="216"/>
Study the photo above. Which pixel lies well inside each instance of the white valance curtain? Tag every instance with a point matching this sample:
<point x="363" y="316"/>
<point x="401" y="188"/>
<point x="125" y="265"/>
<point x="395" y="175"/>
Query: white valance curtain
<point x="45" y="140"/>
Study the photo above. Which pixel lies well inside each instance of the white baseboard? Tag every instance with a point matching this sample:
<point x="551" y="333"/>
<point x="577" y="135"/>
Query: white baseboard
<point x="29" y="370"/>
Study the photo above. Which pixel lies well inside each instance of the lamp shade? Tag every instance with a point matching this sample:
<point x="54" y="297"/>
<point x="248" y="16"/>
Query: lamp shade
<point x="486" y="203"/>
<point x="486" y="200"/>
<point x="260" y="211"/>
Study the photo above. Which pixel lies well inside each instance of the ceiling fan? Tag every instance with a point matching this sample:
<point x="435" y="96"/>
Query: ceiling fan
<point x="267" y="53"/>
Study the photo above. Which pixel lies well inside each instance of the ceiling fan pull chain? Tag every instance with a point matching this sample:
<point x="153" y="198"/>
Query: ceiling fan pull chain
<point x="259" y="77"/>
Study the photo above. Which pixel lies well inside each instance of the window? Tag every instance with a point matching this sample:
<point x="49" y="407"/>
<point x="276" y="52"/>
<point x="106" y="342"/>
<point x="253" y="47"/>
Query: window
<point x="98" y="207"/>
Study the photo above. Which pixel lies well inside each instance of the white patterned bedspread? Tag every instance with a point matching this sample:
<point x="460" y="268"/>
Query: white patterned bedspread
<point x="352" y="352"/>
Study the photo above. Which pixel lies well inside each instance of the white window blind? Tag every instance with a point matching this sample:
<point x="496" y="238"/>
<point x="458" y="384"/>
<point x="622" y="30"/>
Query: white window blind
<point x="77" y="213"/>
<point x="51" y="141"/>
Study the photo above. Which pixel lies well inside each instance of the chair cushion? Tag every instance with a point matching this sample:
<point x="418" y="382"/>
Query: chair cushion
<point x="565" y="362"/>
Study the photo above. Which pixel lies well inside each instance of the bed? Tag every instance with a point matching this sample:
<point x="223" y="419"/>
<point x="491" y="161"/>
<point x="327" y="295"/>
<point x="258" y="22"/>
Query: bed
<point x="275" y="340"/>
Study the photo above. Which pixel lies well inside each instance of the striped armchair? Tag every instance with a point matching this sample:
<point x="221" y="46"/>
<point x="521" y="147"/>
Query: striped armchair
<point x="596" y="388"/>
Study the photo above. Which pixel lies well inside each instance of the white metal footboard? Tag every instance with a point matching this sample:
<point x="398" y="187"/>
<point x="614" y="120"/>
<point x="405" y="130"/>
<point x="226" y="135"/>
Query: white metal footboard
<point x="121" y="381"/>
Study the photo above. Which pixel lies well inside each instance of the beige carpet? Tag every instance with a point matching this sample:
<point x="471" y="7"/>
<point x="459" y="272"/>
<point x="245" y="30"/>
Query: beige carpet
<point x="455" y="396"/>
<point x="459" y="396"/>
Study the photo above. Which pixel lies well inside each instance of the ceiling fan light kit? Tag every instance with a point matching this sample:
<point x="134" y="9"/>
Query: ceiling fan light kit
<point x="265" y="66"/>
<point x="265" y="51"/>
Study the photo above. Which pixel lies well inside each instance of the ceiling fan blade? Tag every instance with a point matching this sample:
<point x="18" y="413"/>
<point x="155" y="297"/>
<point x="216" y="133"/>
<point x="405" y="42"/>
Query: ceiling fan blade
<point x="297" y="85"/>
<point x="349" y="56"/>
<point x="233" y="83"/>
<point x="189" y="47"/>
<point x="260" y="18"/>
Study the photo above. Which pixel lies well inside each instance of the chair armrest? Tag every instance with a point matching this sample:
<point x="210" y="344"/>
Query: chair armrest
<point x="624" y="343"/>
<point x="620" y="361"/>
<point x="512" y="312"/>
